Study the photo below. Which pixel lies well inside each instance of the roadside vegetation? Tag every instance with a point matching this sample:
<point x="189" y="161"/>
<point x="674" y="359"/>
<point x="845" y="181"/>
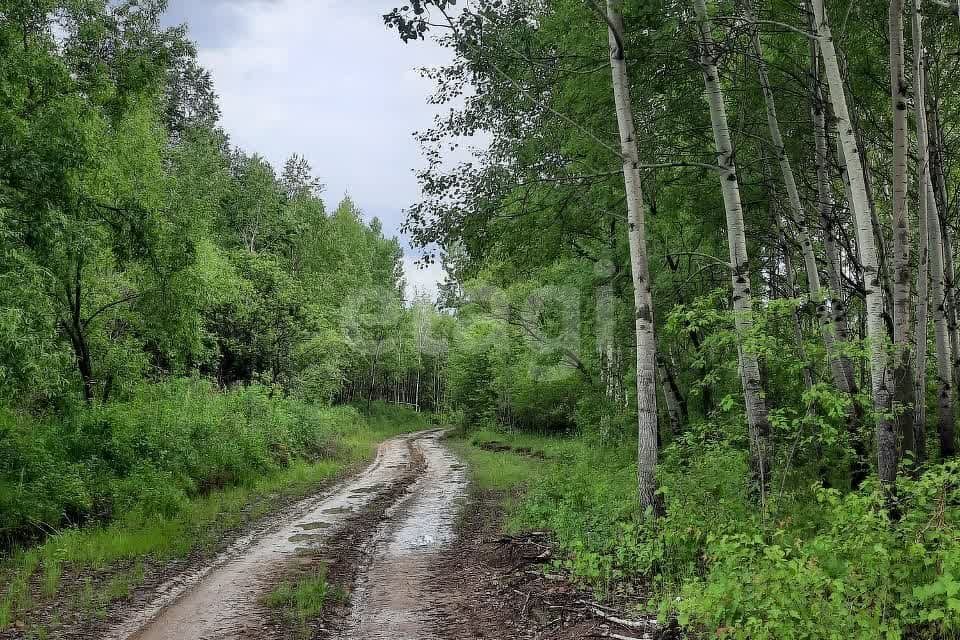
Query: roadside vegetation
<point x="821" y="564"/>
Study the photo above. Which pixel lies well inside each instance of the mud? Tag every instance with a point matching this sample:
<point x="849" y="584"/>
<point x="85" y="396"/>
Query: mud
<point x="223" y="599"/>
<point x="499" y="587"/>
<point x="395" y="597"/>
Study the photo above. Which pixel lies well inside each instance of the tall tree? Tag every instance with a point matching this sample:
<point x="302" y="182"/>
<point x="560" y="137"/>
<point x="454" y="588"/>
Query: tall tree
<point x="903" y="383"/>
<point x="750" y="375"/>
<point x="636" y="231"/>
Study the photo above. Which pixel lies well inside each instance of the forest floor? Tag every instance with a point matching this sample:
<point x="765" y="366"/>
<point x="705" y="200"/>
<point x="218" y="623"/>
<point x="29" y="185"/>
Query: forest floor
<point x="407" y="549"/>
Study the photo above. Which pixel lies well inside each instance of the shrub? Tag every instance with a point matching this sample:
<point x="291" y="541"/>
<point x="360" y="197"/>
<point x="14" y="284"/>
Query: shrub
<point x="151" y="451"/>
<point x="837" y="567"/>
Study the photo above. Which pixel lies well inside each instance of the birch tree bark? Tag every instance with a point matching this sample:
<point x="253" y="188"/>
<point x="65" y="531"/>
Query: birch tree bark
<point x="923" y="177"/>
<point x="757" y="419"/>
<point x="903" y="383"/>
<point x="840" y="366"/>
<point x="936" y="161"/>
<point x="879" y="361"/>
<point x="945" y="415"/>
<point x="921" y="320"/>
<point x="643" y="299"/>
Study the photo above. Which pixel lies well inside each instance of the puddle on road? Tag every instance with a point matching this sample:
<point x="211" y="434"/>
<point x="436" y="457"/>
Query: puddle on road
<point x="336" y="511"/>
<point x="307" y="537"/>
<point x="222" y="600"/>
<point x="393" y="599"/>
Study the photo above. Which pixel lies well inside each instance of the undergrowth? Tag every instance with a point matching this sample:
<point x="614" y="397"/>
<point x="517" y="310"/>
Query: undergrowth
<point x="168" y="471"/>
<point x="835" y="567"/>
<point x="304" y="599"/>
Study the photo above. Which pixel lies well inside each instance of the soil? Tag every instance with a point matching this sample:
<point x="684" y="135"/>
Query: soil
<point x="503" y="589"/>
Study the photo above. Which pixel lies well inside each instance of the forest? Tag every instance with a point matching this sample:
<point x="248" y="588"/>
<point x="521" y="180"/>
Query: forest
<point x="702" y="265"/>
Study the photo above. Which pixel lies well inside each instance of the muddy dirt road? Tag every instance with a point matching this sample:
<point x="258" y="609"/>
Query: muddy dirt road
<point x="391" y="598"/>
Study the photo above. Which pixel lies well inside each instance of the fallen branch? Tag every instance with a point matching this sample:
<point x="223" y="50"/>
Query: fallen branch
<point x="623" y="622"/>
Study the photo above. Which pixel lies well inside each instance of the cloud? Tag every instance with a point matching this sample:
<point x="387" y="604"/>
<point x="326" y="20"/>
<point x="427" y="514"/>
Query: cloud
<point x="422" y="279"/>
<point x="329" y="81"/>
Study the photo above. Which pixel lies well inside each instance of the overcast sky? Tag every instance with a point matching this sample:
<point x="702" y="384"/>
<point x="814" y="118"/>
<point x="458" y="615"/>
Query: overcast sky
<point x="325" y="79"/>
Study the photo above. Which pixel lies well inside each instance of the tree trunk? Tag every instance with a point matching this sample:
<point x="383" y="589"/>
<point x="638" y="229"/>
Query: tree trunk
<point x="923" y="170"/>
<point x="941" y="338"/>
<point x="643" y="299"/>
<point x="671" y="394"/>
<point x="879" y="362"/>
<point x="903" y="383"/>
<point x="840" y="365"/>
<point x="945" y="412"/>
<point x="756" y="408"/>
<point x="937" y="160"/>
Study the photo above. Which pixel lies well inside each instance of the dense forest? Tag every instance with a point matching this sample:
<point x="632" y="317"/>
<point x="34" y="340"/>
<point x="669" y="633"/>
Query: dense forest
<point x="704" y="258"/>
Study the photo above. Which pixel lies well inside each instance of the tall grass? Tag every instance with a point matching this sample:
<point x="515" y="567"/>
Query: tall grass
<point x="170" y="469"/>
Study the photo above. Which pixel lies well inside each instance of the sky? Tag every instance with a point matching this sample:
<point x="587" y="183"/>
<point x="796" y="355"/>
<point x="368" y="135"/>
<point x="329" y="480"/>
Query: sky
<point x="325" y="79"/>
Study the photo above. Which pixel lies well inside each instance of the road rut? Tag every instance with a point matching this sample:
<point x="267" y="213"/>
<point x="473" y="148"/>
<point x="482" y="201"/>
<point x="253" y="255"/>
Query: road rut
<point x="396" y="597"/>
<point x="224" y="599"/>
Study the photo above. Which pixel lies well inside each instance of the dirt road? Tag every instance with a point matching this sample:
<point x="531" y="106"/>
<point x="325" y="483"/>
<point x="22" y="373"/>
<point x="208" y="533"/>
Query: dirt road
<point x="391" y="599"/>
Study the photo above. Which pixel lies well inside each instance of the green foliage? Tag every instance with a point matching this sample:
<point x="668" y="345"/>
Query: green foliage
<point x="857" y="576"/>
<point x="152" y="452"/>
<point x="470" y="374"/>
<point x="305" y="598"/>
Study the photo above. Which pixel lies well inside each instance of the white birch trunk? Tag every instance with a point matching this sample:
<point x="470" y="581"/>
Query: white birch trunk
<point x="643" y="299"/>
<point x="936" y="162"/>
<point x="840" y="366"/>
<point x="945" y="415"/>
<point x="923" y="176"/>
<point x="920" y="331"/>
<point x="903" y="383"/>
<point x="945" y="411"/>
<point x="879" y="361"/>
<point x="756" y="408"/>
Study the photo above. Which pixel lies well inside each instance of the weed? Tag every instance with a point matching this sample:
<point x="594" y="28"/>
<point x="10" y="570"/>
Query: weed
<point x="305" y="598"/>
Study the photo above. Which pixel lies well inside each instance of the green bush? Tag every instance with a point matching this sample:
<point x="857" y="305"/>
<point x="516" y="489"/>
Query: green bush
<point x="836" y="567"/>
<point x="859" y="576"/>
<point x="151" y="451"/>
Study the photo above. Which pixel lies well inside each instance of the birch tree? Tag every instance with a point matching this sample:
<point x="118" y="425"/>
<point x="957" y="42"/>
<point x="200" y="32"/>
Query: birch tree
<point x="859" y="202"/>
<point x="903" y="383"/>
<point x="935" y="252"/>
<point x="756" y="408"/>
<point x="841" y="367"/>
<point x="636" y="231"/>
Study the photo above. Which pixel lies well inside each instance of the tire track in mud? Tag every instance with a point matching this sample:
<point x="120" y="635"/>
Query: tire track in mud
<point x="396" y="596"/>
<point x="223" y="600"/>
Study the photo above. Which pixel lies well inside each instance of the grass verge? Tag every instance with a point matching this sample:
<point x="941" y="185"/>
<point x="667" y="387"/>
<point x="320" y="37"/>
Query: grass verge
<point x="84" y="569"/>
